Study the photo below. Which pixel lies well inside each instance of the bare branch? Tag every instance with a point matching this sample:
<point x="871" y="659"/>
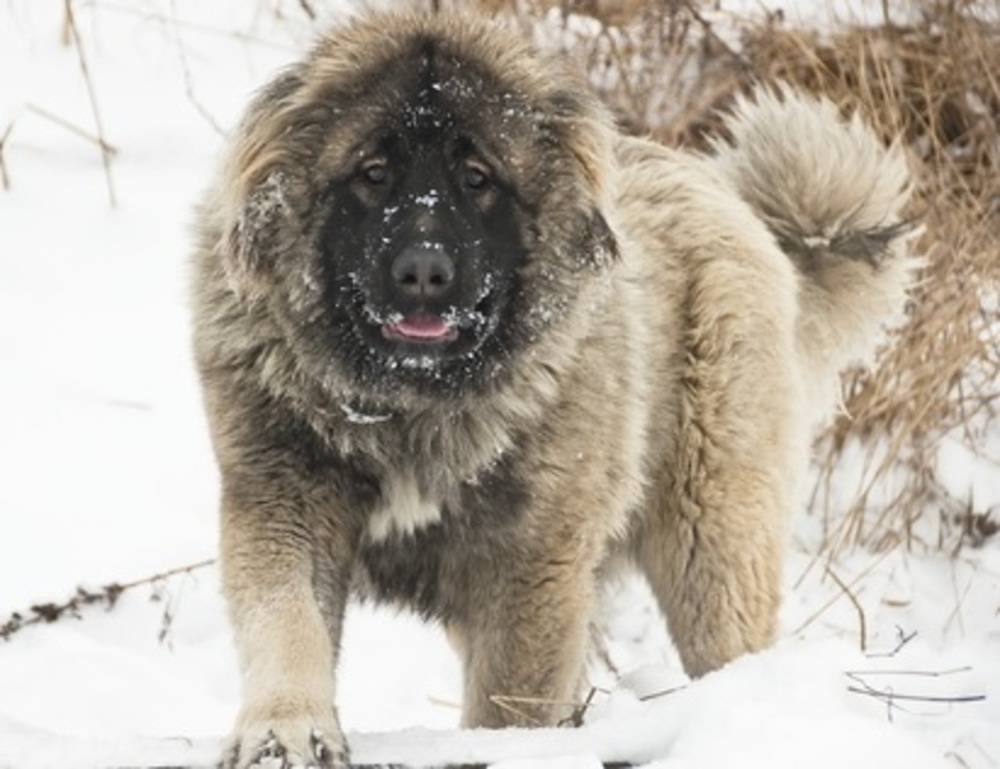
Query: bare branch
<point x="890" y="696"/>
<point x="73" y="35"/>
<point x="309" y="10"/>
<point x="74" y="129"/>
<point x="107" y="595"/>
<point x="4" y="177"/>
<point x="822" y="609"/>
<point x="903" y="638"/>
<point x="514" y="704"/>
<point x="862" y="623"/>
<point x="188" y="80"/>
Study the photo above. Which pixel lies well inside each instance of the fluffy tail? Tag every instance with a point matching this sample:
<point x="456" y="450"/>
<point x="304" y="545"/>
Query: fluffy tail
<point x="831" y="193"/>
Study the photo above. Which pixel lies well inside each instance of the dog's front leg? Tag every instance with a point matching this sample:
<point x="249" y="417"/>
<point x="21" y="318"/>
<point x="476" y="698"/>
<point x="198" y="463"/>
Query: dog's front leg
<point x="286" y="611"/>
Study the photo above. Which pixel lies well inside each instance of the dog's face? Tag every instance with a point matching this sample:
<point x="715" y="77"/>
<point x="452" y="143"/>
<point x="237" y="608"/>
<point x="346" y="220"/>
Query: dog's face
<point x="425" y="240"/>
<point x="441" y="220"/>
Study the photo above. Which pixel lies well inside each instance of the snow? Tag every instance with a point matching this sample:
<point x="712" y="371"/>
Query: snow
<point x="107" y="476"/>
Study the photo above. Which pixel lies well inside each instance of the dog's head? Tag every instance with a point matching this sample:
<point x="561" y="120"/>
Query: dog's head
<point x="419" y="202"/>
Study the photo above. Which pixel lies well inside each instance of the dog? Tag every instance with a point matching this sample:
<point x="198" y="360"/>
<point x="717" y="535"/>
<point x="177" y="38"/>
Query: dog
<point x="466" y="348"/>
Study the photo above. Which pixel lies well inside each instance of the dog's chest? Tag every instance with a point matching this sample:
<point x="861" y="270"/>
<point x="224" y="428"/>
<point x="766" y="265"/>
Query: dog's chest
<point x="424" y="553"/>
<point x="403" y="508"/>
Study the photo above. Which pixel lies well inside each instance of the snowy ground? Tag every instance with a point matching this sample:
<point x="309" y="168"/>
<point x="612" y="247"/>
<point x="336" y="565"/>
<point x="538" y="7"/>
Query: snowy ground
<point x="107" y="477"/>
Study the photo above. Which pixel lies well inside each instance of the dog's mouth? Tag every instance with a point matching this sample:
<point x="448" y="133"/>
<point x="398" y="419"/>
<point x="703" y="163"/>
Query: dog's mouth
<point x="429" y="334"/>
<point x="421" y="328"/>
<point x="425" y="337"/>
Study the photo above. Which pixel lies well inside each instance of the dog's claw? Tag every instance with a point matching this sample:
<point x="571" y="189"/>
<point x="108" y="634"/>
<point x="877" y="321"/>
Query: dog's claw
<point x="273" y="754"/>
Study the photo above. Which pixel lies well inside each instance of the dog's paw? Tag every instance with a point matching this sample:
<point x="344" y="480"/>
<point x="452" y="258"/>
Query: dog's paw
<point x="287" y="744"/>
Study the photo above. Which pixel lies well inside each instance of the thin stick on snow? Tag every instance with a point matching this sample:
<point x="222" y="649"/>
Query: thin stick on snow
<point x="903" y="638"/>
<point x="74" y="37"/>
<point x="188" y="79"/>
<point x="956" y="613"/>
<point x="892" y="698"/>
<point x="41" y="112"/>
<point x="510" y="702"/>
<point x="575" y="719"/>
<point x="862" y="623"/>
<point x="854" y="674"/>
<point x="822" y="609"/>
<point x="165" y="574"/>
<point x="308" y="9"/>
<point x="107" y="595"/>
<point x="662" y="693"/>
<point x="4" y="178"/>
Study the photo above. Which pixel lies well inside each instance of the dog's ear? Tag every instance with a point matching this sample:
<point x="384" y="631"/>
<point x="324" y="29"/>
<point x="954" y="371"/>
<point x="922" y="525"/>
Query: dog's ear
<point x="259" y="180"/>
<point x="600" y="242"/>
<point x="256" y="235"/>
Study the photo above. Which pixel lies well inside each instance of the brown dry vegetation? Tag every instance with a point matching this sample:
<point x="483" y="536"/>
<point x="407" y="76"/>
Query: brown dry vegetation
<point x="933" y="80"/>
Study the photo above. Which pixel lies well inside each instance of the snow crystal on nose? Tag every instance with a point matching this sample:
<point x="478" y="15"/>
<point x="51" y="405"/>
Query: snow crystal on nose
<point x="429" y="199"/>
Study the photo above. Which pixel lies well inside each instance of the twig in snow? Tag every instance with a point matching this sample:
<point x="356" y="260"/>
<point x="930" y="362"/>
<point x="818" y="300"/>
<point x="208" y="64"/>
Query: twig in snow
<point x="822" y="609"/>
<point x="912" y="673"/>
<point x="307" y="7"/>
<point x="73" y="35"/>
<point x="186" y="70"/>
<point x="976" y="527"/>
<point x="513" y="704"/>
<point x="575" y="718"/>
<point x="107" y="595"/>
<point x="43" y="113"/>
<point x="902" y="639"/>
<point x="662" y="693"/>
<point x="892" y="698"/>
<point x="956" y="613"/>
<point x="4" y="178"/>
<point x="862" y="623"/>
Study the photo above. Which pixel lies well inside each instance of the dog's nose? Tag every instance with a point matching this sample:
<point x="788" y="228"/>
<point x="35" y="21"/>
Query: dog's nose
<point x="423" y="271"/>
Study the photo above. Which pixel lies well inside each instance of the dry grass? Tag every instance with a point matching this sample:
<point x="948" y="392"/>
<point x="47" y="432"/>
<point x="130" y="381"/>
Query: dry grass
<point x="933" y="83"/>
<point x="667" y="67"/>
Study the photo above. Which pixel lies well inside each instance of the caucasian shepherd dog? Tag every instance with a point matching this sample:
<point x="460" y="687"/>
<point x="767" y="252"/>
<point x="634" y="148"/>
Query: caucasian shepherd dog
<point x="467" y="348"/>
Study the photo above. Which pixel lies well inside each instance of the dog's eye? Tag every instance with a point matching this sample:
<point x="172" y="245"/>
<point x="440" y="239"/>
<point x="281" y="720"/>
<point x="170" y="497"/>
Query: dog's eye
<point x="375" y="172"/>
<point x="475" y="178"/>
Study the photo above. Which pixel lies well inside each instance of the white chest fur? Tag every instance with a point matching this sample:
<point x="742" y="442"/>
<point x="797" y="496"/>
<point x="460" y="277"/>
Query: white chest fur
<point x="404" y="509"/>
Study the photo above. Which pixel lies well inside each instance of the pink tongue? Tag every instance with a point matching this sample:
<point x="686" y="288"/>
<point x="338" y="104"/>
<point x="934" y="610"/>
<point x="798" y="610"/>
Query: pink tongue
<point x="423" y="325"/>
